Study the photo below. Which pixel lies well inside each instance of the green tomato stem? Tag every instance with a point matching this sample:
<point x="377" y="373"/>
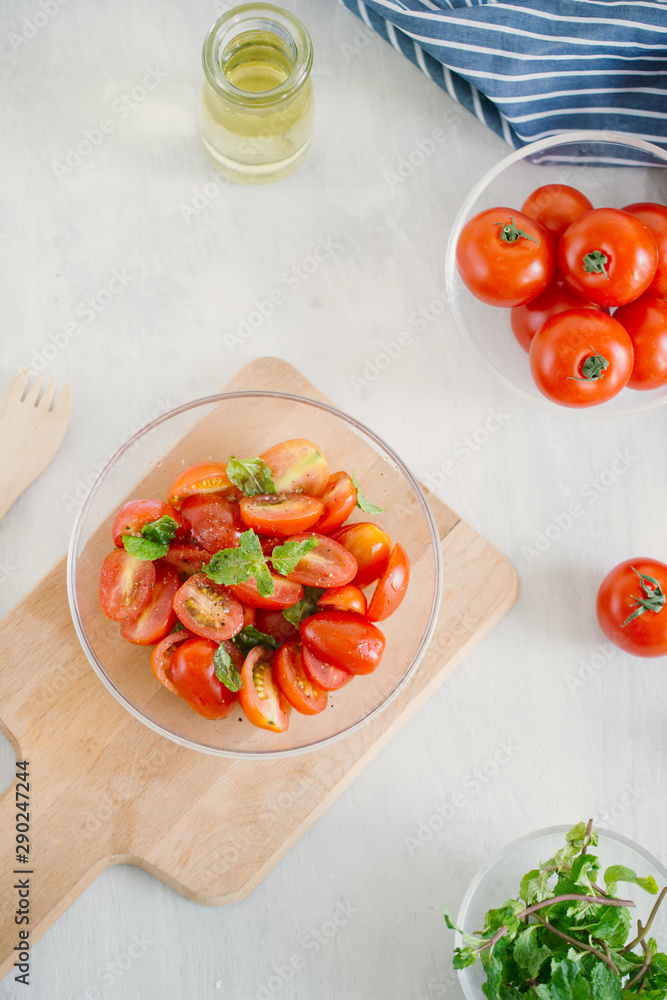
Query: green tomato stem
<point x="509" y="233"/>
<point x="594" y="263"/>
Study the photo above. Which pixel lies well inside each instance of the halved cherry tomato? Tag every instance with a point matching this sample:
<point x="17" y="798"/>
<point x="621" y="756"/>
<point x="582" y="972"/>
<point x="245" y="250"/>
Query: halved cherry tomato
<point x="161" y="657"/>
<point x="555" y="206"/>
<point x="186" y="559"/>
<point x="654" y="215"/>
<point x="391" y="587"/>
<point x="208" y="609"/>
<point x="326" y="675"/>
<point x="281" y="514"/>
<point x="215" y="522"/>
<point x="275" y="624"/>
<point x="504" y="257"/>
<point x="344" y="639"/>
<point x="297" y="466"/>
<point x="285" y="593"/>
<point x="347" y="598"/>
<point x="526" y="320"/>
<point x="261" y="699"/>
<point x="329" y="564"/>
<point x="339" y="499"/>
<point x="192" y="673"/>
<point x="158" y="617"/>
<point x="303" y="694"/>
<point x="645" y="321"/>
<point x="205" y="477"/>
<point x="608" y="256"/>
<point x="136" y="514"/>
<point x="248" y="615"/>
<point x="125" y="585"/>
<point x="369" y="545"/>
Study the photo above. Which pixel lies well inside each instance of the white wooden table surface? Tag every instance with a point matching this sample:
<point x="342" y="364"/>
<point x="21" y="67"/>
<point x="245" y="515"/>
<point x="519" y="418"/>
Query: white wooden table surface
<point x="131" y="274"/>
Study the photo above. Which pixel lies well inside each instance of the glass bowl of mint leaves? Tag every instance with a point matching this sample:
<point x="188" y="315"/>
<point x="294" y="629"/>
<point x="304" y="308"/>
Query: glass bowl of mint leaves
<point x="245" y="424"/>
<point x="587" y="923"/>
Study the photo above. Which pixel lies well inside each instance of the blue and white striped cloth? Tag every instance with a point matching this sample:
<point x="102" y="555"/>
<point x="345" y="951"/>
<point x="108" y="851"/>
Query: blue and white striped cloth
<point x="534" y="68"/>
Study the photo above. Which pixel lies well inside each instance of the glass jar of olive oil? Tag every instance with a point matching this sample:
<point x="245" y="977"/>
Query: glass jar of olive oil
<point x="257" y="99"/>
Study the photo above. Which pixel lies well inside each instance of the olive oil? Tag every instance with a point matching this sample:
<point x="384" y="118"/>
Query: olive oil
<point x="257" y="104"/>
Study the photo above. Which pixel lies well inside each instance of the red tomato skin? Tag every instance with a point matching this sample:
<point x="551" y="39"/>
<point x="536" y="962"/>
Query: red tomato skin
<point x="302" y="693"/>
<point x="555" y="206"/>
<point x="297" y="466"/>
<point x="326" y="675"/>
<point x="646" y="636"/>
<point x="126" y="584"/>
<point x="285" y="593"/>
<point x="207" y="609"/>
<point x="214" y="521"/>
<point x="369" y="545"/>
<point x="347" y="598"/>
<point x="500" y="273"/>
<point x="392" y="586"/>
<point x="283" y="514"/>
<point x="158" y="617"/>
<point x="527" y="319"/>
<point x="559" y="349"/>
<point x="329" y="564"/>
<point x="261" y="698"/>
<point x="654" y="216"/>
<point x="339" y="499"/>
<point x="186" y="559"/>
<point x="161" y="656"/>
<point x="275" y="624"/>
<point x="344" y="639"/>
<point x="629" y="246"/>
<point x="192" y="673"/>
<point x="135" y="514"/>
<point x="204" y="477"/>
<point x="645" y="320"/>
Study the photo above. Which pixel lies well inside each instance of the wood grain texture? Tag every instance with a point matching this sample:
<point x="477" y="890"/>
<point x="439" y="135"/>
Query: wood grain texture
<point x="112" y="791"/>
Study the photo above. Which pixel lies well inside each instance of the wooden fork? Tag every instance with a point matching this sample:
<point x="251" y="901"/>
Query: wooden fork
<point x="31" y="431"/>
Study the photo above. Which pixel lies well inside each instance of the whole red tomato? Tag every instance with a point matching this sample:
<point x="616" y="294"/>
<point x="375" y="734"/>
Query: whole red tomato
<point x="581" y="357"/>
<point x="527" y="319"/>
<point x="608" y="256"/>
<point x="645" y="319"/>
<point x="654" y="216"/>
<point x="555" y="206"/>
<point x="630" y="607"/>
<point x="505" y="258"/>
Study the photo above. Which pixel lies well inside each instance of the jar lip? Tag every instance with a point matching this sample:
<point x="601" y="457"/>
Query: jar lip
<point x="286" y="25"/>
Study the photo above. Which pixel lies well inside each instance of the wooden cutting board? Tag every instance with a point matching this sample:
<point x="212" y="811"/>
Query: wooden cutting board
<point x="106" y="790"/>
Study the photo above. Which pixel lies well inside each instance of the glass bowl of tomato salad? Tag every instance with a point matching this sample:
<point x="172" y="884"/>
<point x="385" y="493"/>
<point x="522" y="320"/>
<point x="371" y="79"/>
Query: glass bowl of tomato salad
<point x="556" y="182"/>
<point x="245" y="424"/>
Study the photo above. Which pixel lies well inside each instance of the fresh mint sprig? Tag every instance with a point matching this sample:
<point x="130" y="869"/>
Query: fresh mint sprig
<point x="251" y="475"/>
<point x="240" y="563"/>
<point x="154" y="540"/>
<point x="286" y="557"/>
<point x="362" y="503"/>
<point x="225" y="670"/>
<point x="249" y="637"/>
<point x="566" y="938"/>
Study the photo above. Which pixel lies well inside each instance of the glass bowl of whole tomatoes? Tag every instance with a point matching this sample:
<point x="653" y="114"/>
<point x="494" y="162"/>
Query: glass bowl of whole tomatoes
<point x="255" y="574"/>
<point x="557" y="272"/>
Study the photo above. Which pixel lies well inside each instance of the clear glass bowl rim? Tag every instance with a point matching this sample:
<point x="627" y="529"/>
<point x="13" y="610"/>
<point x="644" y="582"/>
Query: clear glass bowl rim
<point x="546" y="831"/>
<point x="119" y="694"/>
<point x="562" y="138"/>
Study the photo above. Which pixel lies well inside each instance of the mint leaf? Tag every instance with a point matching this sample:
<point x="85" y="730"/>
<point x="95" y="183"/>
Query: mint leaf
<point x="238" y="564"/>
<point x="249" y="637"/>
<point x="529" y="952"/>
<point x="619" y="873"/>
<point x="506" y="915"/>
<point x="605" y="984"/>
<point x="287" y="556"/>
<point x="362" y="502"/>
<point x="463" y="957"/>
<point x="154" y="540"/>
<point x="305" y="607"/>
<point x="225" y="670"/>
<point x="534" y="887"/>
<point x="567" y="983"/>
<point x="252" y="476"/>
